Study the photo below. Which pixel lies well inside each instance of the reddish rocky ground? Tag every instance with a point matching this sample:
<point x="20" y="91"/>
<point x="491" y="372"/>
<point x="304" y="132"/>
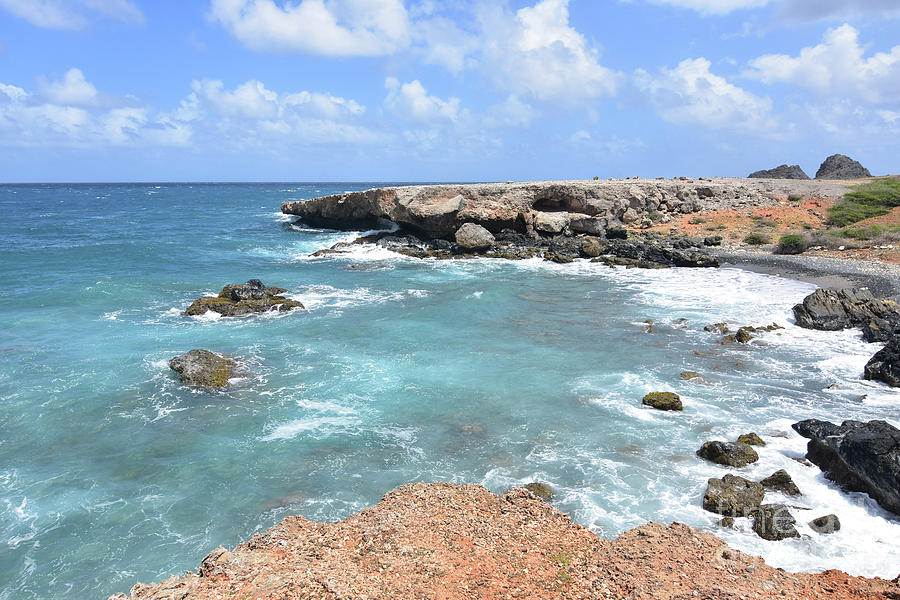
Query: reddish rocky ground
<point x="461" y="542"/>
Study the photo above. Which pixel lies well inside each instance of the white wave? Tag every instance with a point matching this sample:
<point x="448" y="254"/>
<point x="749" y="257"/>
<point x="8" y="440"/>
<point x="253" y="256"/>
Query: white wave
<point x="320" y="425"/>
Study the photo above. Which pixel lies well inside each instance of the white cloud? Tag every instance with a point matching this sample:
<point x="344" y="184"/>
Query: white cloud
<point x="73" y="90"/>
<point x="837" y="66"/>
<point x="691" y="95"/>
<point x="512" y="113"/>
<point x="71" y="14"/>
<point x="816" y="10"/>
<point x="535" y="52"/>
<point x="713" y="7"/>
<point x="412" y="101"/>
<point x="335" y="28"/>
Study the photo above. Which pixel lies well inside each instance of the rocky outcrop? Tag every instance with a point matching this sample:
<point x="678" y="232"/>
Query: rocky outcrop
<point x="751" y="439"/>
<point x="885" y="365"/>
<point x="838" y="166"/>
<point x="663" y="401"/>
<point x="731" y="454"/>
<point x="774" y="522"/>
<point x="860" y="457"/>
<point x="238" y="299"/>
<point x="826" y="524"/>
<point x="541" y="491"/>
<point x="459" y="542"/>
<point x="780" y="481"/>
<point x="732" y="496"/>
<point x="203" y="368"/>
<point x="831" y="310"/>
<point x="780" y="172"/>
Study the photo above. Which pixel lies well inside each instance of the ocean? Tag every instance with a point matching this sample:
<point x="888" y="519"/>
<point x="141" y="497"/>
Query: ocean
<point x="401" y="370"/>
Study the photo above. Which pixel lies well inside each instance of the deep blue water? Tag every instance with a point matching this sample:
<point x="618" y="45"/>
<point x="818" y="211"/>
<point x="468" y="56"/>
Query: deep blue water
<point x="111" y="472"/>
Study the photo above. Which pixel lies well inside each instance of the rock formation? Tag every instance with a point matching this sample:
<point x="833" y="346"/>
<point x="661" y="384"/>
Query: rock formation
<point x="780" y="481"/>
<point x="860" y="457"/>
<point x="838" y="166"/>
<point x="780" y="172"/>
<point x="831" y="310"/>
<point x="459" y="542"/>
<point x="731" y="454"/>
<point x="203" y="368"/>
<point x="663" y="401"/>
<point x="732" y="496"/>
<point x="885" y="365"/>
<point x="774" y="522"/>
<point x="237" y="299"/>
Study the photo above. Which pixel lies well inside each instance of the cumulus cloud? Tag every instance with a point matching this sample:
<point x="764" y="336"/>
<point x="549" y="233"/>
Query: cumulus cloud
<point x="411" y="100"/>
<point x="837" y="66"/>
<point x="72" y="90"/>
<point x="692" y="95"/>
<point x="71" y="14"/>
<point x="335" y="28"/>
<point x="536" y="52"/>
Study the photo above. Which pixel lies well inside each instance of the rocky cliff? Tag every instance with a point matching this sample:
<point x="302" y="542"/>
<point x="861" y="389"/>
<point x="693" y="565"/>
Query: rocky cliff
<point x="460" y="542"/>
<point x="567" y="207"/>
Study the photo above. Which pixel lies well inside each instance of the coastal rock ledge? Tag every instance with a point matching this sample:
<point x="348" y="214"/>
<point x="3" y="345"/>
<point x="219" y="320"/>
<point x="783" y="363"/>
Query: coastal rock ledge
<point x="461" y="541"/>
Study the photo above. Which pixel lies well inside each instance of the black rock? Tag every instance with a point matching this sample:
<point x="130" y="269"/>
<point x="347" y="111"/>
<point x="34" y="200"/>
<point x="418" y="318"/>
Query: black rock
<point x="780" y="172"/>
<point x="781" y="481"/>
<point x="238" y="299"/>
<point x="831" y="310"/>
<point x="774" y="522"/>
<point x="826" y="524"/>
<point x="732" y="454"/>
<point x="732" y="496"/>
<point x="838" y="166"/>
<point x="712" y="240"/>
<point x="860" y="457"/>
<point x="885" y="365"/>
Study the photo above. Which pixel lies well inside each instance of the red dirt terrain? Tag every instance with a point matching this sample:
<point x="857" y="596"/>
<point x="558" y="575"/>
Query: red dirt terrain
<point x="448" y="541"/>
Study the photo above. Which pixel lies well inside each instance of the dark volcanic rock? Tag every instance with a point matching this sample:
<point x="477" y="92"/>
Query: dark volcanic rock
<point x="780" y="172"/>
<point x="751" y="439"/>
<point x="860" y="457"/>
<point x="237" y="299"/>
<point x="204" y="368"/>
<point x="732" y="454"/>
<point x="885" y="365"/>
<point x="831" y="310"/>
<point x="663" y="401"/>
<point x="826" y="524"/>
<point x="733" y="496"/>
<point x="541" y="491"/>
<point x="838" y="166"/>
<point x="781" y="481"/>
<point x="774" y="522"/>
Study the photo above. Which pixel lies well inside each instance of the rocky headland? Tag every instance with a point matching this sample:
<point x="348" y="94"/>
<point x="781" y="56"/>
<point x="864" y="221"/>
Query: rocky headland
<point x="460" y="541"/>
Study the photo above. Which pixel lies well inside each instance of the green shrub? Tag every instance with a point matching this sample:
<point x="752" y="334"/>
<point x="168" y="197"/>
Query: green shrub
<point x="793" y="198"/>
<point x="756" y="239"/>
<point x="791" y="243"/>
<point x="766" y="223"/>
<point x="697" y="221"/>
<point x="861" y="233"/>
<point x="807" y="226"/>
<point x="866" y="201"/>
<point x="847" y="213"/>
<point x="716" y="228"/>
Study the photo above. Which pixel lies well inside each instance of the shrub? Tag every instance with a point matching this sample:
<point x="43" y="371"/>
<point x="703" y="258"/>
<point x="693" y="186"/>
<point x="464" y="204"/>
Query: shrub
<point x="793" y="198"/>
<point x="847" y="213"/>
<point x="861" y="233"/>
<point x="697" y="221"/>
<point x="807" y="226"/>
<point x="756" y="239"/>
<point x="866" y="201"/>
<point x="766" y="223"/>
<point x="791" y="243"/>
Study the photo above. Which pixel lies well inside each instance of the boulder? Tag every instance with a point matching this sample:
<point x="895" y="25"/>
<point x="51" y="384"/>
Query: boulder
<point x="542" y="491"/>
<point x="780" y="481"/>
<point x="203" y="368"/>
<point x="826" y="524"/>
<point x="831" y="310"/>
<point x="751" y="439"/>
<point x="690" y="375"/>
<point x="860" y="457"/>
<point x="551" y="222"/>
<point x="732" y="496"/>
<point x="774" y="522"/>
<point x="592" y="247"/>
<point x="885" y="365"/>
<point x="663" y="401"/>
<point x="237" y="299"/>
<point x="474" y="237"/>
<point x="743" y="335"/>
<point x="838" y="166"/>
<point x="732" y="454"/>
<point x="780" y="172"/>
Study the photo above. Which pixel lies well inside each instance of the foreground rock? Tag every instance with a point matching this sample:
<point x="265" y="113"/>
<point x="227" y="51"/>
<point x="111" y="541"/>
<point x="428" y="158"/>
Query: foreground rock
<point x="731" y="454"/>
<point x="774" y="522"/>
<point x="860" y="457"/>
<point x="663" y="401"/>
<point x="203" y="368"/>
<point x="474" y="237"/>
<point x="885" y="365"/>
<point x="838" y="166"/>
<point x="831" y="310"/>
<point x="459" y="542"/>
<point x="237" y="299"/>
<point x="780" y="172"/>
<point x="732" y="496"/>
<point x="780" y="481"/>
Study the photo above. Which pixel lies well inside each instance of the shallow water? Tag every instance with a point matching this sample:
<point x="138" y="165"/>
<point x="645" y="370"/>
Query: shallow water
<point x="111" y="472"/>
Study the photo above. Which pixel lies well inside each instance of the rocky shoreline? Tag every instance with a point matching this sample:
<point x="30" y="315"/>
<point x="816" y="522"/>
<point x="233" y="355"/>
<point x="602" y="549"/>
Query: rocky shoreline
<point x="451" y="541"/>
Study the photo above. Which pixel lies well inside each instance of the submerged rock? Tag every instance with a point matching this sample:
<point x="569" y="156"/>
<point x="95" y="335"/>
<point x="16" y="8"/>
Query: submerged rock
<point x="542" y="491"/>
<point x="826" y="524"/>
<point x="733" y="496"/>
<point x="663" y="401"/>
<point x="203" y="368"/>
<point x="780" y="172"/>
<point x="690" y="375"/>
<point x="774" y="522"/>
<point x="885" y="365"/>
<point x="838" y="166"/>
<point x="831" y="310"/>
<point x="732" y="454"/>
<point x="751" y="439"/>
<point x="237" y="299"/>
<point x="860" y="457"/>
<point x="781" y="481"/>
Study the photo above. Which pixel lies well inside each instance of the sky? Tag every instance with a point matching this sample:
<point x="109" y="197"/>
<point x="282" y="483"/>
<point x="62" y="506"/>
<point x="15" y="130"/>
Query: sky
<point x="459" y="90"/>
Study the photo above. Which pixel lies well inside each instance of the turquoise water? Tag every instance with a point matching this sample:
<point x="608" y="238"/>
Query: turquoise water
<point x="111" y="472"/>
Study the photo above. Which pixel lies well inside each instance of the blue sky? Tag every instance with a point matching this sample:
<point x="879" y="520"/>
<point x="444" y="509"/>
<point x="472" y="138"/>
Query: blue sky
<point x="461" y="90"/>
